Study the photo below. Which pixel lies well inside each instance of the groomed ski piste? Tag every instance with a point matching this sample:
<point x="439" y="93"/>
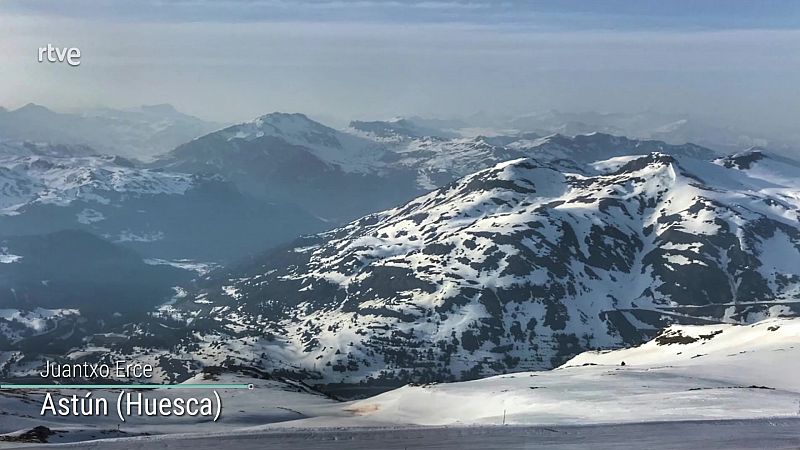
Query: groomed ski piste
<point x="710" y="386"/>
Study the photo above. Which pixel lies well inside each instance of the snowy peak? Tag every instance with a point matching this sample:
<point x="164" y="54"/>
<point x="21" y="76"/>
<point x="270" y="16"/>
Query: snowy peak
<point x="295" y="128"/>
<point x="298" y="127"/>
<point x="495" y="186"/>
<point x="743" y="160"/>
<point x="351" y="153"/>
<point x="636" y="163"/>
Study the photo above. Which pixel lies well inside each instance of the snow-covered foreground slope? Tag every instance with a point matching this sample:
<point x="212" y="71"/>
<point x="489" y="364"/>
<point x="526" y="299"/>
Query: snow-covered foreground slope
<point x="711" y="387"/>
<point x="271" y="400"/>
<point x="686" y="373"/>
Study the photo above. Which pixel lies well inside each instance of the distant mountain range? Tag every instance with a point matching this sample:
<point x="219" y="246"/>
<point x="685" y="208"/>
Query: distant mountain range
<point x="138" y="132"/>
<point x="150" y="130"/>
<point x="674" y="128"/>
<point x="340" y="175"/>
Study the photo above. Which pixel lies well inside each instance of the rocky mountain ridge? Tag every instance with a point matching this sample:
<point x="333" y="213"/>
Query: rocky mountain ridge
<point x="515" y="267"/>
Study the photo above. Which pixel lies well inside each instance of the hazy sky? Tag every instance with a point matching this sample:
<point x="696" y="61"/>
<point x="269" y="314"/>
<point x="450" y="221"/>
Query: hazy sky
<point x="235" y="59"/>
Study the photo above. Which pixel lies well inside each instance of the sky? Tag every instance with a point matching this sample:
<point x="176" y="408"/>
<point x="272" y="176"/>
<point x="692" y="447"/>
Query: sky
<point x="232" y="60"/>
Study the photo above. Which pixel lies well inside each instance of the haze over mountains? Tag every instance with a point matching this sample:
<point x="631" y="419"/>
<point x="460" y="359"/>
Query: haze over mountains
<point x="137" y="132"/>
<point x="672" y="128"/>
<point x="149" y="130"/>
<point x="390" y="251"/>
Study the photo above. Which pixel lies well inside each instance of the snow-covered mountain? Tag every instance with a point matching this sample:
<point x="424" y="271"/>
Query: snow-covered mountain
<point x="347" y="151"/>
<point x="289" y="158"/>
<point x="341" y="175"/>
<point x="39" y="180"/>
<point x="447" y="259"/>
<point x="147" y="209"/>
<point x="758" y="164"/>
<point x="138" y="132"/>
<point x="518" y="267"/>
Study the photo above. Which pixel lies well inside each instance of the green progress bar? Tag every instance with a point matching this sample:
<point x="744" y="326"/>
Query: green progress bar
<point x="126" y="386"/>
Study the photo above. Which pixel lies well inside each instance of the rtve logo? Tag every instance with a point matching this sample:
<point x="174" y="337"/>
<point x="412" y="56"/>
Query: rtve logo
<point x="71" y="56"/>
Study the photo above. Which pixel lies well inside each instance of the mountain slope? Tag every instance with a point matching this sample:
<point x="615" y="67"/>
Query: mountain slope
<point x="161" y="214"/>
<point x="519" y="267"/>
<point x="76" y="270"/>
<point x="349" y="152"/>
<point x="685" y="373"/>
<point x="56" y="289"/>
<point x="289" y="158"/>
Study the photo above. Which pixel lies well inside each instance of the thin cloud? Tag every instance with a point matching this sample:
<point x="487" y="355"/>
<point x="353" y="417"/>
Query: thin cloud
<point x="565" y="14"/>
